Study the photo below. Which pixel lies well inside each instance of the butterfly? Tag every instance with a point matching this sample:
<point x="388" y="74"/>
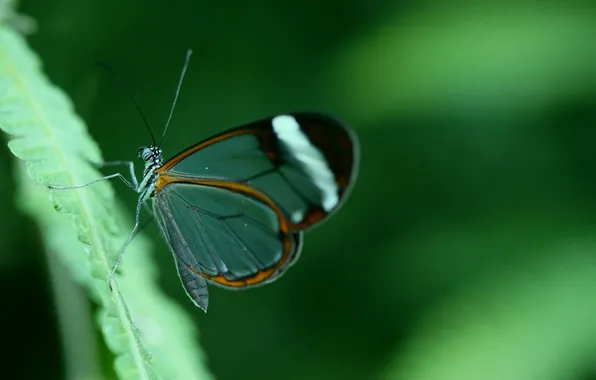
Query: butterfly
<point x="234" y="207"/>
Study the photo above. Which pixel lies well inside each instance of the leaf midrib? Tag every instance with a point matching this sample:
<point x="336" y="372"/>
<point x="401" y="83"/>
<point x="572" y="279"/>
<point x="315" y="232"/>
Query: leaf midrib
<point x="42" y="119"/>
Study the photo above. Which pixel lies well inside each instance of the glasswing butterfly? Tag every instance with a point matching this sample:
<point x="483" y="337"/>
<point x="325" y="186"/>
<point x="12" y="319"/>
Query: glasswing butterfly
<point x="233" y="208"/>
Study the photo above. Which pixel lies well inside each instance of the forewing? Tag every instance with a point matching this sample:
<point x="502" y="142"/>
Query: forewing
<point x="229" y="238"/>
<point x="305" y="163"/>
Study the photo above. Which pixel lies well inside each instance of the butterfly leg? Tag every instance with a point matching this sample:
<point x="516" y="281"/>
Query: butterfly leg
<point x="131" y="168"/>
<point x="143" y="225"/>
<point x="111" y="176"/>
<point x="133" y="184"/>
<point x="130" y="237"/>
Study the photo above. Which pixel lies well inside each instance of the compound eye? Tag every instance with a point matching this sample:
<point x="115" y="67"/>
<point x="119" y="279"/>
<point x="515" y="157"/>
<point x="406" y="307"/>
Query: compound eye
<point x="140" y="152"/>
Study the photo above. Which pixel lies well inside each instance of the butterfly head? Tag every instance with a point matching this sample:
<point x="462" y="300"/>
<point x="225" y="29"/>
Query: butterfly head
<point x="152" y="155"/>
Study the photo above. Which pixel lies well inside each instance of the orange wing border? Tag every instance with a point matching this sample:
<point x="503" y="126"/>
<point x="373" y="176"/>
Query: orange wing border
<point x="290" y="245"/>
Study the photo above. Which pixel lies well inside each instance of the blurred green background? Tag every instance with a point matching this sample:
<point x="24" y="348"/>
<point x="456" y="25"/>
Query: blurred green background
<point x="468" y="247"/>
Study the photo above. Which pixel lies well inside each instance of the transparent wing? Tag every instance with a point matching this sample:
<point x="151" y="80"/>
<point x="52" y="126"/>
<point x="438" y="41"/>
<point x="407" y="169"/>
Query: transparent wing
<point x="229" y="238"/>
<point x="194" y="286"/>
<point x="305" y="163"/>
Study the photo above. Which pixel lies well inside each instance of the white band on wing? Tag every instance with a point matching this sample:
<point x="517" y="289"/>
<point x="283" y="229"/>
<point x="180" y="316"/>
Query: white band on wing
<point x="289" y="132"/>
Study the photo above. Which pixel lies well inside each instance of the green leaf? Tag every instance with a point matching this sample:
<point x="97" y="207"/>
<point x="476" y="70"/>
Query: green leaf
<point x="54" y="144"/>
<point x="73" y="312"/>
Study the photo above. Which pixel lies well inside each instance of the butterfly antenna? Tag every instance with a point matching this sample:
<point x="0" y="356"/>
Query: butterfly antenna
<point x="186" y="62"/>
<point x="130" y="93"/>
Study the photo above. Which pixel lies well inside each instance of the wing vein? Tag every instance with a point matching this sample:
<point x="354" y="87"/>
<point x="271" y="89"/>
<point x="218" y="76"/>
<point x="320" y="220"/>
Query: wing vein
<point x="210" y="255"/>
<point x="203" y="226"/>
